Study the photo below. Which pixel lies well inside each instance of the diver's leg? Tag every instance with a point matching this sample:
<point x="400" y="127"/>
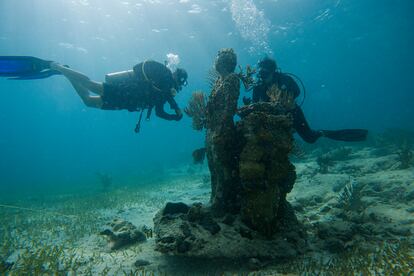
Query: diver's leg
<point x="79" y="78"/>
<point x="311" y="136"/>
<point x="302" y="127"/>
<point x="89" y="100"/>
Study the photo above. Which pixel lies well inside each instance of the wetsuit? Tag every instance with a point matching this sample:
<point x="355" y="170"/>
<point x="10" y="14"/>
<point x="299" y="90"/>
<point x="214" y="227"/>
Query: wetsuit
<point x="286" y="83"/>
<point x="151" y="88"/>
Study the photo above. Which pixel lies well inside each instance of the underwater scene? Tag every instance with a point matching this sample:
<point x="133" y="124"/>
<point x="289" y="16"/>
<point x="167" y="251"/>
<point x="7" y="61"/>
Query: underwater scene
<point x="195" y="137"/>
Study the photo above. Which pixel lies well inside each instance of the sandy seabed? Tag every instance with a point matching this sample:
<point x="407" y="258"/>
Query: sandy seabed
<point x="356" y="204"/>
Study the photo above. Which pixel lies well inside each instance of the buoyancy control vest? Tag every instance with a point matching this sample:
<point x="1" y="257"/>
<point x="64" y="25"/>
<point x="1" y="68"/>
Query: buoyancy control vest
<point x="128" y="80"/>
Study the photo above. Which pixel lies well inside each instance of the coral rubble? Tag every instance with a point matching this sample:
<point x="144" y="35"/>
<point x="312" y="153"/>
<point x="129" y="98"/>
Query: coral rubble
<point x="122" y="233"/>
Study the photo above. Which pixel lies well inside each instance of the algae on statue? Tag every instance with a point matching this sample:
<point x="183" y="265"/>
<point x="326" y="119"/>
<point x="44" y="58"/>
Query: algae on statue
<point x="266" y="173"/>
<point x="249" y="164"/>
<point x="221" y="148"/>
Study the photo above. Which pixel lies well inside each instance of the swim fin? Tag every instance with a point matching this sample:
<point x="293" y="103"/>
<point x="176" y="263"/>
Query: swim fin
<point x="347" y="135"/>
<point x="25" y="68"/>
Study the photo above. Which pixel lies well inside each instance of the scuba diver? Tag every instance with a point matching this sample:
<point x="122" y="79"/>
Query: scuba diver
<point x="268" y="76"/>
<point x="149" y="84"/>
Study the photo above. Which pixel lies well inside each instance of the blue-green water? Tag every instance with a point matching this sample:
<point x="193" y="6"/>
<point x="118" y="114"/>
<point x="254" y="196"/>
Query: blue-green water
<point x="355" y="58"/>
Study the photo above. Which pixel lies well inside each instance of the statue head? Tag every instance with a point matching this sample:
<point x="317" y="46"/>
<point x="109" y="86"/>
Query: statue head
<point x="226" y="62"/>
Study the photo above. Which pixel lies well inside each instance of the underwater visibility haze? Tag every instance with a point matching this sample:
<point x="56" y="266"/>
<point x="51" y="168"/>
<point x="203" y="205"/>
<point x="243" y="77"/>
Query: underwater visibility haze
<point x="67" y="170"/>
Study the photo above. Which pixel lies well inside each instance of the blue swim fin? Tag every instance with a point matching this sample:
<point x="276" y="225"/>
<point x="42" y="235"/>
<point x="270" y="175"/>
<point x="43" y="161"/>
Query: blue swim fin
<point x="25" y="68"/>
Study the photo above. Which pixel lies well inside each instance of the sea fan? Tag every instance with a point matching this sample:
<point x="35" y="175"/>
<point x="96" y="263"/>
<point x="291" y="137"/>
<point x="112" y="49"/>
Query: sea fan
<point x="298" y="151"/>
<point x="350" y="199"/>
<point x="196" y="109"/>
<point x="282" y="97"/>
<point x="247" y="78"/>
<point x="324" y="161"/>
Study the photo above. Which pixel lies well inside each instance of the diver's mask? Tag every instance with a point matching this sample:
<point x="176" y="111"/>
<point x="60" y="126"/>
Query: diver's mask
<point x="180" y="76"/>
<point x="267" y="67"/>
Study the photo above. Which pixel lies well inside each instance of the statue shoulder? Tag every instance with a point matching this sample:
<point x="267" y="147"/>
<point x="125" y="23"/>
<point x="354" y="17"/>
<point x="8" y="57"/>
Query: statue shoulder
<point x="232" y="78"/>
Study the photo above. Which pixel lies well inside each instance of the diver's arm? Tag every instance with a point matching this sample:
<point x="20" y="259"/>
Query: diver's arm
<point x="302" y="127"/>
<point x="159" y="111"/>
<point x="173" y="105"/>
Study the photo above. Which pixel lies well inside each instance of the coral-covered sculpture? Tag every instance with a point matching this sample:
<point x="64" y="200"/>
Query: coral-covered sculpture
<point x="251" y="174"/>
<point x="221" y="147"/>
<point x="266" y="174"/>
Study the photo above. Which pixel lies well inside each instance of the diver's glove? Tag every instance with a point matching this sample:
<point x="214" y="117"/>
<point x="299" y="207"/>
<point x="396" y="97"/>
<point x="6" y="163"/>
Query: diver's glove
<point x="179" y="114"/>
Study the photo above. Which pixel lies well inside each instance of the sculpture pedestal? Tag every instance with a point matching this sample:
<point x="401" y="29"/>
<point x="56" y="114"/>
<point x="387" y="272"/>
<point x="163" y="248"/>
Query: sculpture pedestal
<point x="266" y="174"/>
<point x="205" y="236"/>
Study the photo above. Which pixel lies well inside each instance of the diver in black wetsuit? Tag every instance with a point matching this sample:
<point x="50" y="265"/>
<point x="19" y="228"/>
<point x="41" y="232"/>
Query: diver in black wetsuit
<point x="269" y="76"/>
<point x="150" y="84"/>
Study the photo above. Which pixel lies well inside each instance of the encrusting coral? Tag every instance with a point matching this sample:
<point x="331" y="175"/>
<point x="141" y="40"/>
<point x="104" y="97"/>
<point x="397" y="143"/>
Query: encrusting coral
<point x="212" y="77"/>
<point x="221" y="133"/>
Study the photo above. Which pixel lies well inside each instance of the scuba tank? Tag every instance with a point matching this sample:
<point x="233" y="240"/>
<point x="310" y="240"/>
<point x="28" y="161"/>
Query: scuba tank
<point x="121" y="78"/>
<point x="125" y="79"/>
